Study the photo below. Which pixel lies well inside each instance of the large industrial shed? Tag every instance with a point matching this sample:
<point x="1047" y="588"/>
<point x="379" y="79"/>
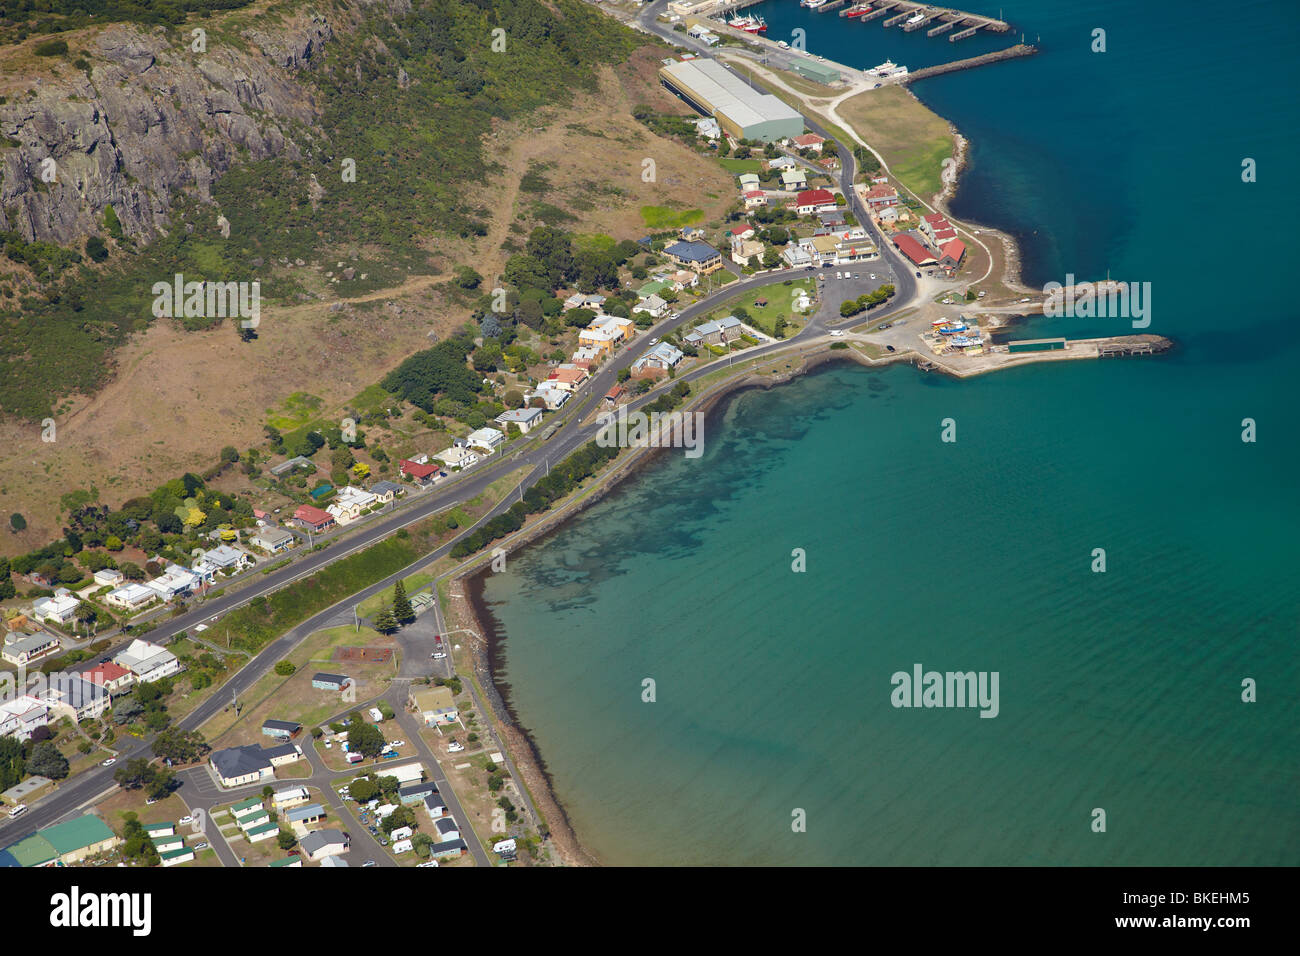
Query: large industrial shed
<point x="739" y="109"/>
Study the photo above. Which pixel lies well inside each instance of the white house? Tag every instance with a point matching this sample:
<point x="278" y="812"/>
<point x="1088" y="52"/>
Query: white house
<point x="148" y="662"/>
<point x="486" y="438"/>
<point x="130" y="597"/>
<point x="58" y="609"/>
<point x="225" y="558"/>
<point x="551" y="396"/>
<point x="108" y="576"/>
<point x="796" y="257"/>
<point x="21" y="716"/>
<point x="172" y="582"/>
<point x="349" y="503"/>
<point x="652" y="304"/>
<point x="523" y="418"/>
<point x="457" y="457"/>
<point x="273" y="540"/>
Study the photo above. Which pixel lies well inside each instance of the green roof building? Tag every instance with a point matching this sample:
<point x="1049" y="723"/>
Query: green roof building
<point x="65" y="843"/>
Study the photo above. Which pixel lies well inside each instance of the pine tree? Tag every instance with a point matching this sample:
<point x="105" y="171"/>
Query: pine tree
<point x="385" y="623"/>
<point x="403" y="613"/>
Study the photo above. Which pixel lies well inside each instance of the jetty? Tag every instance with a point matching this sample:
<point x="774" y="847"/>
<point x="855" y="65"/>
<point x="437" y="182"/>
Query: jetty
<point x="828" y="7"/>
<point x="1010" y="53"/>
<point x="939" y="19"/>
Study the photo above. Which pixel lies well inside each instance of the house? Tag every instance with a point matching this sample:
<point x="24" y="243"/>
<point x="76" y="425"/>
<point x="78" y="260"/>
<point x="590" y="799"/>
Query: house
<point x="423" y="474"/>
<point x="549" y="394"/>
<point x="64" y="844"/>
<point x="657" y="362"/>
<point x="808" y="141"/>
<point x="721" y="332"/>
<point x="225" y="558"/>
<point x="250" y="813"/>
<point x="754" y="198"/>
<point x="406" y="773"/>
<point x="525" y="419"/>
<point x="386" y="491"/>
<point x="324" y="681"/>
<point x="108" y="577"/>
<point x="447" y="828"/>
<point x="909" y="247"/>
<point x="699" y="257"/>
<point x="434" y="705"/>
<point x="748" y="181"/>
<point x="130" y="597"/>
<point x="402" y="846"/>
<point x="174" y="582"/>
<point x="455" y="847"/>
<point x="295" y="862"/>
<point x="350" y="504"/>
<point x="60" y="608"/>
<point x="434" y="805"/>
<point x="888" y="214"/>
<point x="580" y="301"/>
<point x="796" y="257"/>
<point x="685" y="279"/>
<point x="156" y="831"/>
<point x="178" y="854"/>
<point x="112" y="677"/>
<point x="880" y="196"/>
<point x="20" y="717"/>
<point x="290" y="797"/>
<point x="814" y="200"/>
<point x="273" y="540"/>
<point x="312" y="813"/>
<point x="263" y="831"/>
<point x="792" y="179"/>
<point x="281" y="729"/>
<point x="782" y="163"/>
<point x="282" y="754"/>
<point x="745" y="251"/>
<point x="236" y="766"/>
<point x="600" y="339"/>
<point x="68" y="695"/>
<point x="416" y="792"/>
<point x="654" y="305"/>
<point x="832" y="218"/>
<point x="952" y="253"/>
<point x="708" y="127"/>
<point x="334" y="862"/>
<point x="27" y="649"/>
<point x="148" y="662"/>
<point x="567" y="377"/>
<point x="311" y="518"/>
<point x="615" y="395"/>
<point x="458" y="457"/>
<point x="487" y="439"/>
<point x="584" y="356"/>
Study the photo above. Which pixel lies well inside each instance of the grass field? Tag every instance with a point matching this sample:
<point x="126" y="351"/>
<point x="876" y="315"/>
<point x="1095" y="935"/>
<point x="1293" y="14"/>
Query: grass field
<point x="913" y="141"/>
<point x="738" y="166"/>
<point x="661" y="217"/>
<point x="763" y="317"/>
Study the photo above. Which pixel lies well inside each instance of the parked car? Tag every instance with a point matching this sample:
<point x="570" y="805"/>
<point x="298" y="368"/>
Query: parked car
<point x="889" y="348"/>
<point x="368" y="863"/>
<point x="837" y="332"/>
<point x="655" y="340"/>
<point x="201" y="846"/>
<point x="383" y="841"/>
<point x="918" y="275"/>
<point x="439" y="656"/>
<point x="109" y="762"/>
<point x="455" y="746"/>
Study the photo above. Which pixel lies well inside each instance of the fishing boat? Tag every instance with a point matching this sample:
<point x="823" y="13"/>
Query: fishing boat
<point x="748" y="24"/>
<point x="915" y="18"/>
<point x="857" y="10"/>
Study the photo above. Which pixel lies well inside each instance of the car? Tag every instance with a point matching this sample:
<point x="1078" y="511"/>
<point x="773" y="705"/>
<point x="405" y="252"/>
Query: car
<point x="383" y="841"/>
<point x="200" y="627"/>
<point x="918" y="275"/>
<point x="439" y="656"/>
<point x="185" y="819"/>
<point x="151" y="801"/>
<point x="807" y="268"/>
<point x="398" y="743"/>
<point x="837" y="331"/>
<point x="109" y="762"/>
<point x="889" y="348"/>
<point x="655" y="340"/>
<point x="857" y="275"/>
<point x="455" y="746"/>
<point x="369" y="863"/>
<point x="201" y="846"/>
<point x="839" y="275"/>
<point x="426" y="863"/>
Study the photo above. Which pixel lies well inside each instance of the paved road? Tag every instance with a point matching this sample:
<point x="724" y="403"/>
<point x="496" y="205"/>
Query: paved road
<point x="73" y="795"/>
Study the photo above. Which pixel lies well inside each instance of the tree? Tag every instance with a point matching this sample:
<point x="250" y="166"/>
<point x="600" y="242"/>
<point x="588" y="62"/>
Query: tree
<point x="365" y="738"/>
<point x="17" y="522"/>
<point x="180" y="746"/>
<point x="230" y="454"/>
<point x="96" y="249"/>
<point x="47" y="761"/>
<point x="86" y="613"/>
<point x="284" y="668"/>
<point x="363" y="789"/>
<point x="403" y="613"/>
<point x="286" y="840"/>
<point x="385" y="622"/>
<point x="624" y="374"/>
<point x="134" y="774"/>
<point x="513" y="398"/>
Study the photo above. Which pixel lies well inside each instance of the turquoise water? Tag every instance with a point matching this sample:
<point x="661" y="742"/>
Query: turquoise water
<point x="1118" y="691"/>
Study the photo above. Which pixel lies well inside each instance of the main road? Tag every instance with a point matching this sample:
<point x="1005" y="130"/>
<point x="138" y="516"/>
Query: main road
<point x="537" y="457"/>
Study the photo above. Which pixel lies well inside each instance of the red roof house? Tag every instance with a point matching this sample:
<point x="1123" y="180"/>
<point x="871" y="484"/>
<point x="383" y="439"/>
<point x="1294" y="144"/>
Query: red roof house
<point x="312" y="518"/>
<point x="809" y="140"/>
<point x="913" y="250"/>
<point x="952" y="253"/>
<point x="813" y="200"/>
<point x="421" y="473"/>
<point x="109" y="676"/>
<point x="882" y="194"/>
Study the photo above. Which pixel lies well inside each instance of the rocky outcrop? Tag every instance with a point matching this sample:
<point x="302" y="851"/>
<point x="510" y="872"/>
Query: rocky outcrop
<point x="152" y="119"/>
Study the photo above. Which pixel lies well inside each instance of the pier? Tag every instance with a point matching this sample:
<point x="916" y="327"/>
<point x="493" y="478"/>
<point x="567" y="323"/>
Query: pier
<point x="1010" y="53"/>
<point x="899" y="18"/>
<point x="875" y="14"/>
<point x="941" y="28"/>
<point x="1122" y="349"/>
<point x="969" y="23"/>
<point x="909" y="27"/>
<point x="828" y="7"/>
<point x="963" y="35"/>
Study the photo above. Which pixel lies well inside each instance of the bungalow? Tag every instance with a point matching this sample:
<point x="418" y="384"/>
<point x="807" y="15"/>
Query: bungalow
<point x="59" y="609"/>
<point x="435" y="807"/>
<point x="226" y="558"/>
<point x="324" y="681"/>
<point x="290" y="797"/>
<point x="172" y="583"/>
<point x="881" y="196"/>
<point x="746" y="250"/>
<point x="782" y="162"/>
<point x="525" y="419"/>
<point x="423" y="474"/>
<point x="909" y="247"/>
<point x="833" y="217"/>
<point x="20" y="717"/>
<point x="295" y="862"/>
<point x="263" y="831"/>
<point x="814" y="200"/>
<point x="657" y="362"/>
<point x="147" y="661"/>
<point x="28" y="649"/>
<point x="157" y="831"/>
<point x="808" y="141"/>
<point x="748" y="181"/>
<point x="699" y="257"/>
<point x="130" y="597"/>
<point x="282" y="754"/>
<point x="685" y="279"/>
<point x="273" y="540"/>
<point x="585" y="356"/>
<point x="237" y="766"/>
<point x="654" y="305"/>
<point x="720" y="332"/>
<point x="177" y="854"/>
<point x="888" y="214"/>
<point x="792" y="179"/>
<point x="312" y="813"/>
<point x="68" y="695"/>
<point x="416" y="792"/>
<point x="406" y="773"/>
<point x="106" y="577"/>
<point x="447" y="828"/>
<point x="549" y="394"/>
<point x="434" y="705"/>
<point x="311" y="518"/>
<point x="250" y="813"/>
<point x="386" y="491"/>
<point x="580" y="301"/>
<point x="487" y="439"/>
<point x="457" y="457"/>
<point x="448" y="848"/>
<point x="350" y="504"/>
<point x="615" y="395"/>
<point x="112" y="677"/>
<point x="281" y="729"/>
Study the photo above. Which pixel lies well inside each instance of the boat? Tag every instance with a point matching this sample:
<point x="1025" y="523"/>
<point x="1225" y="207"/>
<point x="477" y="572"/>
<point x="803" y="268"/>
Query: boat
<point x="888" y="68"/>
<point x="749" y="24"/>
<point x="814" y="4"/>
<point x="857" y="10"/>
<point x="915" y="18"/>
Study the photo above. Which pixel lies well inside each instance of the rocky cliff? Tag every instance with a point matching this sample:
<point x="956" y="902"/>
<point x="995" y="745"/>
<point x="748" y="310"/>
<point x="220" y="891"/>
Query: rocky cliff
<point x="151" y="118"/>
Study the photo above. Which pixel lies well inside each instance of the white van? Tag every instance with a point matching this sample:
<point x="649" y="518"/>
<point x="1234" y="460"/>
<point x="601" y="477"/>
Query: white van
<point x="18" y="810"/>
